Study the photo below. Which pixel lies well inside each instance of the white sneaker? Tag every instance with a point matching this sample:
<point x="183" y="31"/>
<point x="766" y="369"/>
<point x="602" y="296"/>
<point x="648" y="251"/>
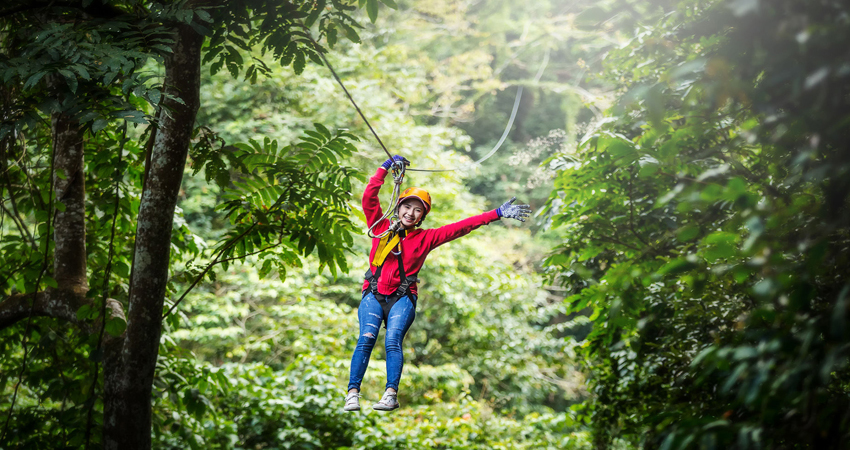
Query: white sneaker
<point x="352" y="402"/>
<point x="388" y="402"/>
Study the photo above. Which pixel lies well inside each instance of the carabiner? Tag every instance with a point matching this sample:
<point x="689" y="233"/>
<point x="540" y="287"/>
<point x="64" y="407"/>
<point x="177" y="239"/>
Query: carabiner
<point x="398" y="171"/>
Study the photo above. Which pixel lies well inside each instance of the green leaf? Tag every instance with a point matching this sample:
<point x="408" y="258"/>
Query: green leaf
<point x="318" y="7"/>
<point x="154" y="96"/>
<point x="109" y="77"/>
<point x="299" y="63"/>
<point x="668" y="442"/>
<point x="687" y="233"/>
<point x="203" y="15"/>
<point x="49" y="281"/>
<point x="332" y="35"/>
<point x="121" y="269"/>
<point x="81" y="71"/>
<point x="70" y="79"/>
<point x="132" y="116"/>
<point x="84" y="312"/>
<point x="721" y="237"/>
<point x="733" y="378"/>
<point x="322" y="129"/>
<point x="98" y="125"/>
<point x="372" y="9"/>
<point x="115" y="326"/>
<point x="350" y="33"/>
<point x="677" y="266"/>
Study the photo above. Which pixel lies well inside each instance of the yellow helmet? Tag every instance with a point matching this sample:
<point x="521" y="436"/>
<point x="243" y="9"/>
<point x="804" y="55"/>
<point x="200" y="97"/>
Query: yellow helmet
<point x="418" y="193"/>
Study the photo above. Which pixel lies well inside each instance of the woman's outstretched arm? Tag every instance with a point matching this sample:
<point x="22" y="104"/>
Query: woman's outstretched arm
<point x="452" y="231"/>
<point x="371" y="203"/>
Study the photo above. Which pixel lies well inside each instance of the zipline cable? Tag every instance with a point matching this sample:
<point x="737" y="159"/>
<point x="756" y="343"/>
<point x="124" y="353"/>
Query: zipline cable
<point x="507" y="128"/>
<point x="327" y="63"/>
<point x="498" y="144"/>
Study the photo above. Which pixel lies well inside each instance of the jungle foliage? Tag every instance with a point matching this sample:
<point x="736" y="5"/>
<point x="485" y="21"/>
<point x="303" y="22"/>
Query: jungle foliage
<point x="705" y="227"/>
<point x="180" y="228"/>
<point x="100" y="102"/>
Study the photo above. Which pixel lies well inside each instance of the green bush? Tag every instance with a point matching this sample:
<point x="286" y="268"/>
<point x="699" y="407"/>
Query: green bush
<point x="242" y="406"/>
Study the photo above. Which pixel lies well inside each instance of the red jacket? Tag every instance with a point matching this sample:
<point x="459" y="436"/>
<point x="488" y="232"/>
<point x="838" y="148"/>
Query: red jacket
<point x="416" y="247"/>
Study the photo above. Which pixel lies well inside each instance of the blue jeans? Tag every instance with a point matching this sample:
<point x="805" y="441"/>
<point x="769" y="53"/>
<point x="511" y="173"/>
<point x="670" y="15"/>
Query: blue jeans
<point x="371" y="316"/>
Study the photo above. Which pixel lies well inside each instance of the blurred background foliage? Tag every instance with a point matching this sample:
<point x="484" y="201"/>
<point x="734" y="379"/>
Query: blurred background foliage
<point x="705" y="227"/>
<point x="684" y="284"/>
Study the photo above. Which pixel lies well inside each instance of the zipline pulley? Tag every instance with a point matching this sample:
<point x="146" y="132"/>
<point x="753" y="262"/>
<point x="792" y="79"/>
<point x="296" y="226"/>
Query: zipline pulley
<point x="397" y="169"/>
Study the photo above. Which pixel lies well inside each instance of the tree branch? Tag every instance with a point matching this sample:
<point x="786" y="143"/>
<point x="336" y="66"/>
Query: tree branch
<point x="252" y="253"/>
<point x="58" y="304"/>
<point x="22" y="229"/>
<point x="53" y="303"/>
<point x="14" y="213"/>
<point x="614" y="240"/>
<point x="210" y="266"/>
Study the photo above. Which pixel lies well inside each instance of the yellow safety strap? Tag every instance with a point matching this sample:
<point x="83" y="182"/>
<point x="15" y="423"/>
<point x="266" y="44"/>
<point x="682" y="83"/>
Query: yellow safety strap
<point x="384" y="248"/>
<point x="387" y="244"/>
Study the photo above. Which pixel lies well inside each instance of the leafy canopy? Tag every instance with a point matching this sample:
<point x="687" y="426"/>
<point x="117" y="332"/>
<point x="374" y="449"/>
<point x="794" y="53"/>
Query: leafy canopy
<point x="705" y="230"/>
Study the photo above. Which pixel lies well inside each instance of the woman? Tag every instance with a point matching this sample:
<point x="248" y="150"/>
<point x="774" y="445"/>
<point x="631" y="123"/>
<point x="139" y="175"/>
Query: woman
<point x="389" y="291"/>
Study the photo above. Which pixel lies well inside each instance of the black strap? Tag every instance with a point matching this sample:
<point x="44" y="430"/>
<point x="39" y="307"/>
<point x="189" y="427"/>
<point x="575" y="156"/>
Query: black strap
<point x="405" y="281"/>
<point x="402" y="276"/>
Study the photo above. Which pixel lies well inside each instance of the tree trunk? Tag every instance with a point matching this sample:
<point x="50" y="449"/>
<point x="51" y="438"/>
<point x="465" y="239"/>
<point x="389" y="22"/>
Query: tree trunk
<point x="69" y="257"/>
<point x="129" y="367"/>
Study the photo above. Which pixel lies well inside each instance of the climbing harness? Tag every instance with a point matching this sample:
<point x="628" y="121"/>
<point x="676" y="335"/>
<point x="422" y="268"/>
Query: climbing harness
<point x="385" y="247"/>
<point x="388" y="301"/>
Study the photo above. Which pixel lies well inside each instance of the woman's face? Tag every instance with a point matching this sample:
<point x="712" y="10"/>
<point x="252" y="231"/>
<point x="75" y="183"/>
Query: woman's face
<point x="410" y="212"/>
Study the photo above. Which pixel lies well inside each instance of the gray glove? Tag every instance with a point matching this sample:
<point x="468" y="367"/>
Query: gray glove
<point x="518" y="212"/>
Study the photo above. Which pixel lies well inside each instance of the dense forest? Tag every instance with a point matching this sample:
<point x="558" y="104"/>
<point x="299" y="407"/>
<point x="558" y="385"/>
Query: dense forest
<point x="182" y="240"/>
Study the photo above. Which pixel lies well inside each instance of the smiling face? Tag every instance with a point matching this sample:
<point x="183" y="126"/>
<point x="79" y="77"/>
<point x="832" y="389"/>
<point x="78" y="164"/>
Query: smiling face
<point x="410" y="212"/>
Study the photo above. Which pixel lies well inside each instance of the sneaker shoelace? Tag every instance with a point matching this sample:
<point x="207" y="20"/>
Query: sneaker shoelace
<point x="388" y="397"/>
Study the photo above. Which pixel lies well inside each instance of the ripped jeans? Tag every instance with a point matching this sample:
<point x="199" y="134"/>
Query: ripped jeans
<point x="371" y="316"/>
